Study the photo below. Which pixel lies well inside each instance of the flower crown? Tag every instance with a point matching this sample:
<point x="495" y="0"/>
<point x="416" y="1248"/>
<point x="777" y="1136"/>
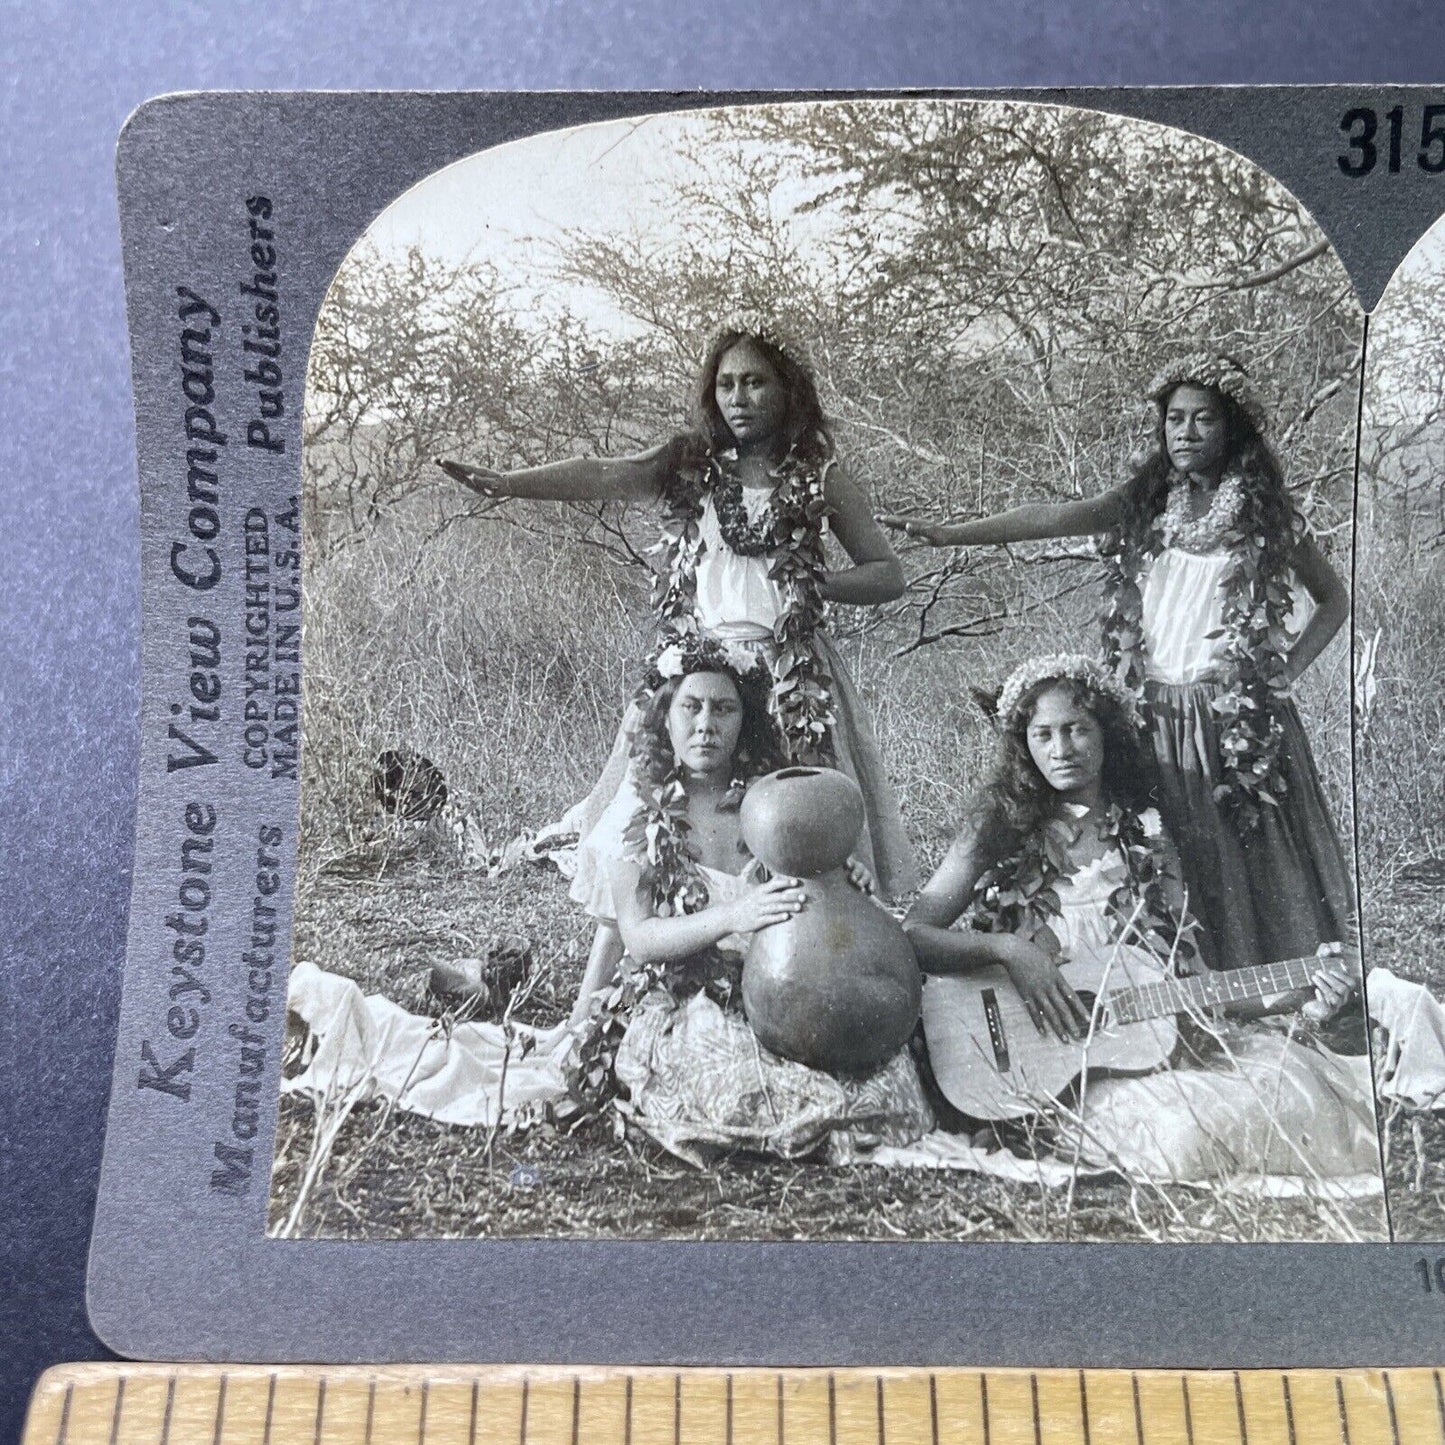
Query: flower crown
<point x="765" y="328"/>
<point x="1062" y="666"/>
<point x="1216" y="371"/>
<point x="685" y="655"/>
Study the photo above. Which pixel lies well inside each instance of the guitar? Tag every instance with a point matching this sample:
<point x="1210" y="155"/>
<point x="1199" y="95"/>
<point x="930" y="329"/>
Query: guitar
<point x="993" y="1063"/>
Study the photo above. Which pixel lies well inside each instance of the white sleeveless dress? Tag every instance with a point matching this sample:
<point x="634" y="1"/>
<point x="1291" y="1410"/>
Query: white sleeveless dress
<point x="1258" y="1104"/>
<point x="739" y="603"/>
<point x="1285" y="888"/>
<point x="736" y="599"/>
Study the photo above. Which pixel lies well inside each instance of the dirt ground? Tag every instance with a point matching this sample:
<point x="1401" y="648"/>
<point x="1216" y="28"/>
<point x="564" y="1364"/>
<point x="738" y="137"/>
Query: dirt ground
<point x="398" y="1175"/>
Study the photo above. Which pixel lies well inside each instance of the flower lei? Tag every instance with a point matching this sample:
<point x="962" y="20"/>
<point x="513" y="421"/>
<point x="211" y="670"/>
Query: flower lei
<point x="1019" y="894"/>
<point x="1060" y="666"/>
<point x="792" y="530"/>
<point x="1201" y="535"/>
<point x="1224" y="374"/>
<point x="1256" y="606"/>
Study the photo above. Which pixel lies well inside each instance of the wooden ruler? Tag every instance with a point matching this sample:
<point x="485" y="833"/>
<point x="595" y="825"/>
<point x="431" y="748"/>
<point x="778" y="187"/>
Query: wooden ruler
<point x="140" y="1404"/>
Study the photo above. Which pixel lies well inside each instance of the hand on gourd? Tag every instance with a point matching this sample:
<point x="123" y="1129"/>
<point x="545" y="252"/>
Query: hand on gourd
<point x="768" y="903"/>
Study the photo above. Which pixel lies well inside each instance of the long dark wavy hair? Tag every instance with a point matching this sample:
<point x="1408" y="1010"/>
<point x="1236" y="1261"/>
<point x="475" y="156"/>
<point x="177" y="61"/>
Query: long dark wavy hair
<point x="804" y="428"/>
<point x="1014" y="790"/>
<point x="759" y="750"/>
<point x="1268" y="510"/>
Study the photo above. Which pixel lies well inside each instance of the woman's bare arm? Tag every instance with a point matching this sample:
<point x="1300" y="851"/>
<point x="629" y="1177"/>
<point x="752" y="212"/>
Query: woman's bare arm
<point x="1032" y="522"/>
<point x="1052" y="1004"/>
<point x="638" y="478"/>
<point x="1332" y="605"/>
<point x="940" y="947"/>
<point x="650" y="939"/>
<point x="876" y="575"/>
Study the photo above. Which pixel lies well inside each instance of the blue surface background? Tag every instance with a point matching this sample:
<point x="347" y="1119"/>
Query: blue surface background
<point x="68" y="507"/>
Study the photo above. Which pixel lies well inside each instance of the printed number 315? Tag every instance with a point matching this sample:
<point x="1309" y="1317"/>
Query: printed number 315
<point x="1362" y="126"/>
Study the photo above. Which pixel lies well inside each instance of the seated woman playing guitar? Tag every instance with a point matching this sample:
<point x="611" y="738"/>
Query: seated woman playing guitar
<point x="1076" y="960"/>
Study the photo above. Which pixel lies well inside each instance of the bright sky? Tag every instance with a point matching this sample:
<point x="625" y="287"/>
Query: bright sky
<point x="509" y="204"/>
<point x="1398" y="379"/>
<point x="494" y="205"/>
<point x="1429" y="250"/>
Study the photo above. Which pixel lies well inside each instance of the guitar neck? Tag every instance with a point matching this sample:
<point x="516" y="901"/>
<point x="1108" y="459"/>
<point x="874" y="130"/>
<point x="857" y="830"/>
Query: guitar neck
<point x="1206" y="992"/>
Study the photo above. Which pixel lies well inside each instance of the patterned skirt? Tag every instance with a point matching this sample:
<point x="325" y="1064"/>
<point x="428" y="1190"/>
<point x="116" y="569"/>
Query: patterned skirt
<point x="1281" y="890"/>
<point x="699" y="1083"/>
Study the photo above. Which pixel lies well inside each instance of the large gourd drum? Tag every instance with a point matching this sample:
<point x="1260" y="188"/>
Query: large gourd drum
<point x="837" y="986"/>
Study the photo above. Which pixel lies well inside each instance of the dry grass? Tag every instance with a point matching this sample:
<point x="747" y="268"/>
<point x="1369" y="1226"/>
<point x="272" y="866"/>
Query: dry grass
<point x="403" y="1176"/>
<point x="420" y="1178"/>
<point x="1401" y="783"/>
<point x="503" y="655"/>
<point x="1403" y="933"/>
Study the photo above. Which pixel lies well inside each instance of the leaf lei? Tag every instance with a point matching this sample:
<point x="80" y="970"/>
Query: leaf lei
<point x="1256" y="603"/>
<point x="656" y="838"/>
<point x="746" y="536"/>
<point x="792" y="532"/>
<point x="1019" y="894"/>
<point x="1256" y="607"/>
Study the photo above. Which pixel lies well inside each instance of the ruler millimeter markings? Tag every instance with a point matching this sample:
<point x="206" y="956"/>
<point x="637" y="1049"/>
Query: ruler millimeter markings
<point x="147" y="1404"/>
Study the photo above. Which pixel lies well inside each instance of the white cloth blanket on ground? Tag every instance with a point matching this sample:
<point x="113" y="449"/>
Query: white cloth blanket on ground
<point x="371" y="1048"/>
<point x="1414" y="1022"/>
<point x="374" y="1049"/>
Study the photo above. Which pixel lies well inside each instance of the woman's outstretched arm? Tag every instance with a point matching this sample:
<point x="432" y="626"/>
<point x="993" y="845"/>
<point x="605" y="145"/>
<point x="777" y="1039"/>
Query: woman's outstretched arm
<point x="876" y="575"/>
<point x="638" y="478"/>
<point x="1332" y="605"/>
<point x="1032" y="522"/>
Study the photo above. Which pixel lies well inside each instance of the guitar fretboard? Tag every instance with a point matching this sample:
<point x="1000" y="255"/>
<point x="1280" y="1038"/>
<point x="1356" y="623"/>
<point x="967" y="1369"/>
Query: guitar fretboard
<point x="1208" y="991"/>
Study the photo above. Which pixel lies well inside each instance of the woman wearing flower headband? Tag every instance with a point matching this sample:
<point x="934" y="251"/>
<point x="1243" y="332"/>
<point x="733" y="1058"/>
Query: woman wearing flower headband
<point x="1062" y="853"/>
<point x="1064" y="822"/>
<point x="748" y="496"/>
<point x="669" y="1030"/>
<point x="1203" y="547"/>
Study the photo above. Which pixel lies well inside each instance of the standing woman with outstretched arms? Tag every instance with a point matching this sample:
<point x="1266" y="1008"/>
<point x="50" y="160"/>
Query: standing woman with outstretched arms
<point x="1204" y="556"/>
<point x="748" y="496"/>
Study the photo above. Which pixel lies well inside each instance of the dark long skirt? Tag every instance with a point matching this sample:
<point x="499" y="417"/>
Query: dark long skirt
<point x="1281" y="890"/>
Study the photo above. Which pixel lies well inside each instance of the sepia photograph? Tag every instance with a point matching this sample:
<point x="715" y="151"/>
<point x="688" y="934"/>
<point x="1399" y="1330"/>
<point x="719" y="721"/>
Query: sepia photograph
<point x="827" y="695"/>
<point x="1400" y="726"/>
